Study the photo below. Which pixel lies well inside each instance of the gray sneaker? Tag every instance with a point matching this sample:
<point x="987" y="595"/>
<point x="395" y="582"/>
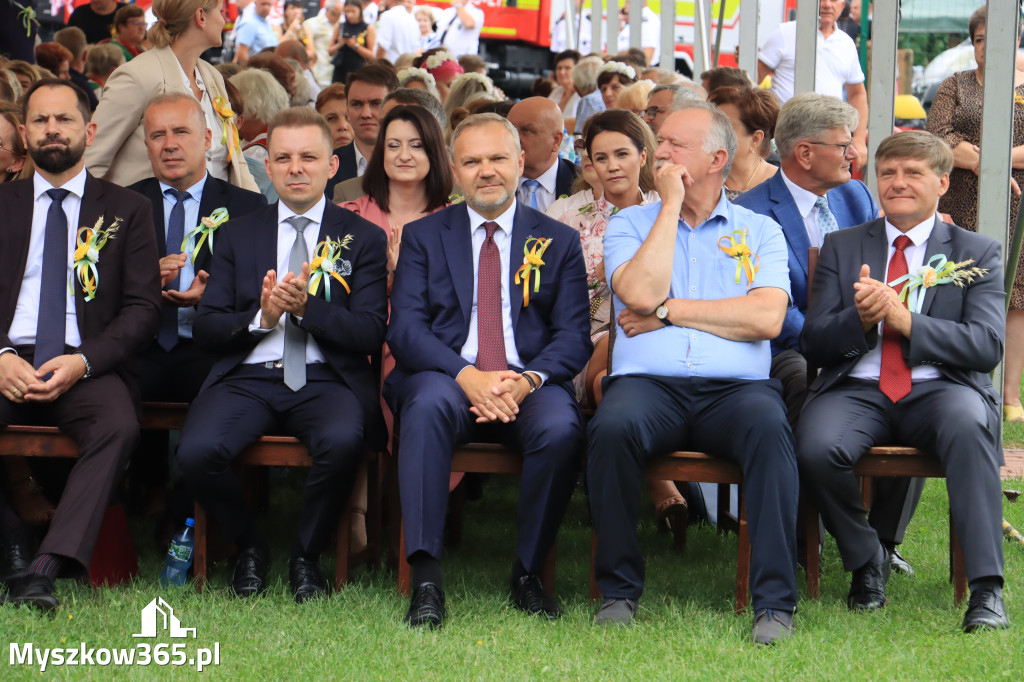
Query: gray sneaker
<point x="616" y="612"/>
<point x="771" y="625"/>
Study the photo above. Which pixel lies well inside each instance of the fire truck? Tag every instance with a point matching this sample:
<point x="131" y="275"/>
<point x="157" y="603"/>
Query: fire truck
<point x="517" y="34"/>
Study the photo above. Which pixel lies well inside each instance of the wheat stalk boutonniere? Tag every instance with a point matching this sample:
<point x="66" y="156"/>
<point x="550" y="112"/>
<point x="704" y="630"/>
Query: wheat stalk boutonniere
<point x="88" y="244"/>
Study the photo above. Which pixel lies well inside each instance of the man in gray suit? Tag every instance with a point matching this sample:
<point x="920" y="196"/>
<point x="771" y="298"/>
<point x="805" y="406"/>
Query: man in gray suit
<point x="905" y="359"/>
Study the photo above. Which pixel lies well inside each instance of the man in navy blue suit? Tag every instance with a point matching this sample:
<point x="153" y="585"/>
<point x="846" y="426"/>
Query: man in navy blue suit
<point x="292" y="351"/>
<point x="812" y="195"/>
<point x="483" y="355"/>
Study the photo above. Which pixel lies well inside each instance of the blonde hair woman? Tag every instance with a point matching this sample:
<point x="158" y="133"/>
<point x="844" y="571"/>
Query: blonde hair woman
<point x="186" y="28"/>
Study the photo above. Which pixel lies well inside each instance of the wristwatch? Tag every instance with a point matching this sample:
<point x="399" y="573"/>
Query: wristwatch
<point x="661" y="312"/>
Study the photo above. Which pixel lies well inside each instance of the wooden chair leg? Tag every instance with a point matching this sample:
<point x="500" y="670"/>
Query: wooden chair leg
<point x="812" y="542"/>
<point x="548" y="575"/>
<point x="396" y="543"/>
<point x="341" y="550"/>
<point x="456" y="505"/>
<point x="957" y="565"/>
<point x="865" y="491"/>
<point x="404" y="578"/>
<point x="595" y="593"/>
<point x="199" y="551"/>
<point x="373" y="511"/>
<point x="742" y="558"/>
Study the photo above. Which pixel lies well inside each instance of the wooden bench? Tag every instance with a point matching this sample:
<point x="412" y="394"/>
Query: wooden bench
<point x="49" y="441"/>
<point x="699" y="467"/>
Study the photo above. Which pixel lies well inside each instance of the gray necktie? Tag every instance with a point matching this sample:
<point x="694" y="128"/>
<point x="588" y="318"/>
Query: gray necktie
<point x="294" y="336"/>
<point x="826" y="221"/>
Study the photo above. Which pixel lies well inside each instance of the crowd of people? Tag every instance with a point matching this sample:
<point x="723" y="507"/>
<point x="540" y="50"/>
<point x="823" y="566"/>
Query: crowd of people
<point x="322" y="237"/>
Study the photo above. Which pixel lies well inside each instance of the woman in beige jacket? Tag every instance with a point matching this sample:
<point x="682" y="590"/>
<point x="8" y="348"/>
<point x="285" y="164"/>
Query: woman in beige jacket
<point x="185" y="29"/>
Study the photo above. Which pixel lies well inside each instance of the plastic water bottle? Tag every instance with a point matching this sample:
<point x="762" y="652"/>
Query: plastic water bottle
<point x="179" y="556"/>
<point x="567" y="150"/>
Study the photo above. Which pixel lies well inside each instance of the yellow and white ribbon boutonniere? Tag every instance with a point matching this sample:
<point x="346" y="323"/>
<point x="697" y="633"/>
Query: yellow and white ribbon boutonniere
<point x="88" y="244"/>
<point x="327" y="263"/>
<point x="206" y="227"/>
<point x="531" y="264"/>
<point x="227" y="117"/>
<point x="938" y="270"/>
<point x="746" y="260"/>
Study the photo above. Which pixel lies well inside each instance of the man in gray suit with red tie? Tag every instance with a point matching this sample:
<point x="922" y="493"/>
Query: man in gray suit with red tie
<point x="905" y="351"/>
<point x="482" y="355"/>
<point x="66" y="352"/>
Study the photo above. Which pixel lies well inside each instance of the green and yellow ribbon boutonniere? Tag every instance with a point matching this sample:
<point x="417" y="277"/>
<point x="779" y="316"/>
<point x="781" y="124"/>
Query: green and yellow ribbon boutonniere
<point x="327" y="263"/>
<point x="229" y="137"/>
<point x="531" y="265"/>
<point x="88" y="244"/>
<point x="938" y="270"/>
<point x="746" y="260"/>
<point x="207" y="226"/>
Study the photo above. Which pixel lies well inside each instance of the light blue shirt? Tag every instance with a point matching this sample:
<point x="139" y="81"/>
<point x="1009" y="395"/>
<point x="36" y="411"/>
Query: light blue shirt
<point x="700" y="270"/>
<point x="590" y="104"/>
<point x="256" y="34"/>
<point x="186" y="316"/>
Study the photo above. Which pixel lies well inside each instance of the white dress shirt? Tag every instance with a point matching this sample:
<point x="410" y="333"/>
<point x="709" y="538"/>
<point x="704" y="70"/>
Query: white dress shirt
<point x="271" y="347"/>
<point x="217" y="157"/>
<point x="546" y="191"/>
<point x="804" y="201"/>
<point x="870" y="365"/>
<point x="26" y="312"/>
<point x="461" y="40"/>
<point x="187" y="315"/>
<point x="398" y="32"/>
<point x="503" y="240"/>
<point x="361" y="161"/>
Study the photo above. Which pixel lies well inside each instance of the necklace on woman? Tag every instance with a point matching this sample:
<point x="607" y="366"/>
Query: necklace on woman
<point x="746" y="185"/>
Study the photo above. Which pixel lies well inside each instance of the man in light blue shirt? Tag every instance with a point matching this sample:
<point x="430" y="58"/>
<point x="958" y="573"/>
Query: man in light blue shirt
<point x="255" y="33"/>
<point x="702" y="286"/>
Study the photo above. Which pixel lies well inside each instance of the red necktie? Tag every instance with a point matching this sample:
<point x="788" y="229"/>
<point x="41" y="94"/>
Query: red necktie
<point x="894" y="377"/>
<point x="490" y="331"/>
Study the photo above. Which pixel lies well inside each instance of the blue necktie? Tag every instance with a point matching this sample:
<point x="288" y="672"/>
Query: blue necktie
<point x="167" y="338"/>
<point x="531" y="187"/>
<point x="826" y="221"/>
<point x="51" y="325"/>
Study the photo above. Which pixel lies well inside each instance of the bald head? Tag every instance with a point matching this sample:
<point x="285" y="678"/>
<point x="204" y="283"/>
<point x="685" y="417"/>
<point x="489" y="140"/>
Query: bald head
<point x="539" y="122"/>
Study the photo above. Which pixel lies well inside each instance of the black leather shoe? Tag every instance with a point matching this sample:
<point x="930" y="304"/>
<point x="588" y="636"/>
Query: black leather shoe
<point x="426" y="608"/>
<point x="250" y="577"/>
<point x="770" y="625"/>
<point x="986" y="610"/>
<point x="528" y="595"/>
<point x="34" y="589"/>
<point x="867" y="589"/>
<point x="897" y="563"/>
<point x="306" y="581"/>
<point x="14" y="561"/>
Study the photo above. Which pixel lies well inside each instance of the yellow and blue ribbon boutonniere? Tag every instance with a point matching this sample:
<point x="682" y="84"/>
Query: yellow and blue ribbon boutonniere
<point x="531" y="264"/>
<point x="327" y="263"/>
<point x="938" y="270"/>
<point x="88" y="244"/>
<point x="746" y="260"/>
<point x="207" y="226"/>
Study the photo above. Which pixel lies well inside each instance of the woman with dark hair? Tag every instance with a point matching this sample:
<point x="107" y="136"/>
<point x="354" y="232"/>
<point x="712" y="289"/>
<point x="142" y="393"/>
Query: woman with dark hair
<point x="565" y="94"/>
<point x="753" y="113"/>
<point x="611" y="78"/>
<point x="353" y="43"/>
<point x="129" y="31"/>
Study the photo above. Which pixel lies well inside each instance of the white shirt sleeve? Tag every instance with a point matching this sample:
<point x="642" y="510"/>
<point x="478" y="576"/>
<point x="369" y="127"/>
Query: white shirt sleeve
<point x="773" y="49"/>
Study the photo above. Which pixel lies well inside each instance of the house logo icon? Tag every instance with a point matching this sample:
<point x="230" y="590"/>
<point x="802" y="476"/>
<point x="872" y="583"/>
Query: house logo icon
<point x="158" y="611"/>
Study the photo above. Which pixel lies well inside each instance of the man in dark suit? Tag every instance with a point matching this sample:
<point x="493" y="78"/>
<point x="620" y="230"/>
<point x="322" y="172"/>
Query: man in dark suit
<point x="66" y="352"/>
<point x="480" y="357"/>
<point x="292" y="351"/>
<point x="365" y="91"/>
<point x="917" y="376"/>
<point x="546" y="176"/>
<point x="183" y="194"/>
<point x="814" y="194"/>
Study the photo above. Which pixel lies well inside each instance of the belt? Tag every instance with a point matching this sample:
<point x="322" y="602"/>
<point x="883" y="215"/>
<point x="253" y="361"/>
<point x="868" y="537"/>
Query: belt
<point x="278" y="364"/>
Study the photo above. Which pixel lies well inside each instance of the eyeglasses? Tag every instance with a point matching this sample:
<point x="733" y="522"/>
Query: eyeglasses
<point x="843" y="147"/>
<point x="652" y="112"/>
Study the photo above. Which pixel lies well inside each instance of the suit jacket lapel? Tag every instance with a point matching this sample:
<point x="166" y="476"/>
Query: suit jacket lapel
<point x="938" y="242"/>
<point x="875" y="250"/>
<point x="213" y="198"/>
<point x="151" y="190"/>
<point x="17" y="235"/>
<point x="265" y="242"/>
<point x="522" y="223"/>
<point x="837" y="205"/>
<point x="788" y="216"/>
<point x="91" y="209"/>
<point x="458" y="252"/>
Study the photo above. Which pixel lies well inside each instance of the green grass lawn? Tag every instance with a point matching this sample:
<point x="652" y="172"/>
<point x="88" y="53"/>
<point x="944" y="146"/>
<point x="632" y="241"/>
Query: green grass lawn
<point x="686" y="627"/>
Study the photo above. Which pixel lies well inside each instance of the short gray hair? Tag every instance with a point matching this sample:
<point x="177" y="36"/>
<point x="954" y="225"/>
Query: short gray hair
<point x="721" y="134"/>
<point x="477" y="120"/>
<point x="584" y="74"/>
<point x="264" y="97"/>
<point x="419" y="98"/>
<point x="808" y="116"/>
<point x="173" y="98"/>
